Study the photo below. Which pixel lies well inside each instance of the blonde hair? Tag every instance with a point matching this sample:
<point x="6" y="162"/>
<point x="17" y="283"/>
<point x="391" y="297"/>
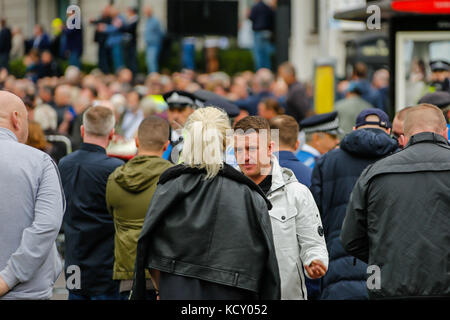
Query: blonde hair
<point x="205" y="140"/>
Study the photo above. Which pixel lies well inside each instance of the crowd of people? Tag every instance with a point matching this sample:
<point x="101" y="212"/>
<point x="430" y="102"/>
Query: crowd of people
<point x="136" y="170"/>
<point x="116" y="35"/>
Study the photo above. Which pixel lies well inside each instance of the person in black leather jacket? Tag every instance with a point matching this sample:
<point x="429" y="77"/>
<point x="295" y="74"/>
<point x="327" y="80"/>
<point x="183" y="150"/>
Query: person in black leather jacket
<point x="398" y="218"/>
<point x="207" y="233"/>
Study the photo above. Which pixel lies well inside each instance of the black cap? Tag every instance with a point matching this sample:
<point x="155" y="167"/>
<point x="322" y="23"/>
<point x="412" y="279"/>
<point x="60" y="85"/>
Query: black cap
<point x="327" y="122"/>
<point x="208" y="98"/>
<point x="439" y="65"/>
<point x="383" y="122"/>
<point x="231" y="109"/>
<point x="440" y="99"/>
<point x="179" y="99"/>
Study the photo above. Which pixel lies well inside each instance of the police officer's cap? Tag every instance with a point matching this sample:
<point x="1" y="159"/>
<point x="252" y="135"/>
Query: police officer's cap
<point x="439" y="65"/>
<point x="180" y="99"/>
<point x="441" y="99"/>
<point x="327" y="122"/>
<point x="209" y="98"/>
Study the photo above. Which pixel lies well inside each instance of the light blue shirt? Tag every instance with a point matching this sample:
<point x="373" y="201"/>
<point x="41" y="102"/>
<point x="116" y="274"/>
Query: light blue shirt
<point x="31" y="212"/>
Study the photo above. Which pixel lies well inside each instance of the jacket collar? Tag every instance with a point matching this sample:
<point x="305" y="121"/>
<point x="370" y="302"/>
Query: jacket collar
<point x="427" y="137"/>
<point x="92" y="148"/>
<point x="6" y="134"/>
<point x="227" y="171"/>
<point x="287" y="155"/>
<point x="311" y="150"/>
<point x="280" y="176"/>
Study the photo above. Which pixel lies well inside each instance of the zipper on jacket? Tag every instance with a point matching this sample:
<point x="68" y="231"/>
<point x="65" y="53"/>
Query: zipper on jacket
<point x="301" y="280"/>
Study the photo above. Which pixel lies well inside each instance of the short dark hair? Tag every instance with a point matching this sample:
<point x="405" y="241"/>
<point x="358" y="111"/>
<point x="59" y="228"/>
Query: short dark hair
<point x="252" y="122"/>
<point x="153" y="133"/>
<point x="288" y="130"/>
<point x="98" y="121"/>
<point x="274" y="105"/>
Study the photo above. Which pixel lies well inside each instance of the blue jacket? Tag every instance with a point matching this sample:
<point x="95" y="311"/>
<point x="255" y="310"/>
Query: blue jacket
<point x="88" y="227"/>
<point x="153" y="32"/>
<point x="302" y="173"/>
<point x="333" y="179"/>
<point x="251" y="102"/>
<point x="371" y="95"/>
<point x="115" y="35"/>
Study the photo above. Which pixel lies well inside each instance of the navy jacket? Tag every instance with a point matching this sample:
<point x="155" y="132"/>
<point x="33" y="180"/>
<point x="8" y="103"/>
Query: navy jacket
<point x="88" y="227"/>
<point x="251" y="102"/>
<point x="333" y="179"/>
<point x="262" y="17"/>
<point x="5" y="40"/>
<point x="288" y="160"/>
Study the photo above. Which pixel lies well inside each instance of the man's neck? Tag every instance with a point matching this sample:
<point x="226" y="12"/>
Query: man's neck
<point x="150" y="153"/>
<point x="284" y="148"/>
<point x="258" y="179"/>
<point x="99" y="141"/>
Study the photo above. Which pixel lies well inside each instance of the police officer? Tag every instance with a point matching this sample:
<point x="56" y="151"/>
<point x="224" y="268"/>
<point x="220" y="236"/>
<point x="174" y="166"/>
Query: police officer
<point x="321" y="133"/>
<point x="440" y="76"/>
<point x="441" y="99"/>
<point x="181" y="105"/>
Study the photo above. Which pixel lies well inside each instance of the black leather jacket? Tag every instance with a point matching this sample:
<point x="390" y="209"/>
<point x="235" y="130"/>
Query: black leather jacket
<point x="398" y="219"/>
<point x="216" y="230"/>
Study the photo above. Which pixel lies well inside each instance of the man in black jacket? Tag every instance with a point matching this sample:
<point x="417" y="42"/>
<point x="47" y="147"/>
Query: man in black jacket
<point x="398" y="216"/>
<point x="5" y="44"/>
<point x="334" y="177"/>
<point x="207" y="233"/>
<point x="88" y="227"/>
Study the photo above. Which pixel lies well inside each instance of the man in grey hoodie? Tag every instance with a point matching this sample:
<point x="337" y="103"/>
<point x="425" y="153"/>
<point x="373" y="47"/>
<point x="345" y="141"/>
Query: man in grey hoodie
<point x="31" y="211"/>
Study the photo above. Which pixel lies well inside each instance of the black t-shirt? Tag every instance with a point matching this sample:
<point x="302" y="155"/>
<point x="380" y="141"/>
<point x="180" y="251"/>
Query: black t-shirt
<point x="266" y="184"/>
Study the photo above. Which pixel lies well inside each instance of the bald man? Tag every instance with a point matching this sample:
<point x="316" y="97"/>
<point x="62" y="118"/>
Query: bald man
<point x="31" y="210"/>
<point x="398" y="219"/>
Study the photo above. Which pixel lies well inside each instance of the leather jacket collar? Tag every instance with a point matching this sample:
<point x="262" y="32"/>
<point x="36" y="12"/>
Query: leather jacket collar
<point x="227" y="171"/>
<point x="427" y="137"/>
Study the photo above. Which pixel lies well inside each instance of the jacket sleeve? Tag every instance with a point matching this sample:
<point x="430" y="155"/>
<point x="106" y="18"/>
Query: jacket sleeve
<point x="271" y="284"/>
<point x="309" y="229"/>
<point x="316" y="185"/>
<point x="39" y="238"/>
<point x="164" y="196"/>
<point x="354" y="237"/>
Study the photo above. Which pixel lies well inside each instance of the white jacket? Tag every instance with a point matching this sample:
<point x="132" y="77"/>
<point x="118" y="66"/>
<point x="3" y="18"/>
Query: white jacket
<point x="297" y="230"/>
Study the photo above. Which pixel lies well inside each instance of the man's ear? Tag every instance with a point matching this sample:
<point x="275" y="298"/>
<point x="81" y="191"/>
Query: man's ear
<point x="297" y="145"/>
<point x="402" y="141"/>
<point x="136" y="140"/>
<point x="82" y="131"/>
<point x="446" y="133"/>
<point x="111" y="134"/>
<point x="15" y="120"/>
<point x="166" y="145"/>
<point x="271" y="148"/>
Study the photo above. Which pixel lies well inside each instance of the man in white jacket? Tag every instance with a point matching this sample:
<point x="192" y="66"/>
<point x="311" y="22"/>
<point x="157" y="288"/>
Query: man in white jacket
<point x="296" y="225"/>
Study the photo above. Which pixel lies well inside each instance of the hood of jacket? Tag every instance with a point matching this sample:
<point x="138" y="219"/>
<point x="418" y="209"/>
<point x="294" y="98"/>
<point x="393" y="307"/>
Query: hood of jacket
<point x="369" y="143"/>
<point x="138" y="173"/>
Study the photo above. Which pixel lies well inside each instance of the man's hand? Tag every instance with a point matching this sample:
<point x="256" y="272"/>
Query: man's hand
<point x="3" y="287"/>
<point x="316" y="269"/>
